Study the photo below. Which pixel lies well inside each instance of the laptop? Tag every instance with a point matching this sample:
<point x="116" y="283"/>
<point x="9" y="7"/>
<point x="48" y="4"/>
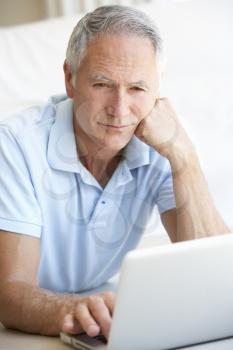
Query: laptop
<point x="170" y="297"/>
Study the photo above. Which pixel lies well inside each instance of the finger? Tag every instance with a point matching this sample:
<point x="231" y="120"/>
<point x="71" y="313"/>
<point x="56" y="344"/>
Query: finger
<point x="110" y="300"/>
<point x="101" y="313"/>
<point x="87" y="322"/>
<point x="70" y="325"/>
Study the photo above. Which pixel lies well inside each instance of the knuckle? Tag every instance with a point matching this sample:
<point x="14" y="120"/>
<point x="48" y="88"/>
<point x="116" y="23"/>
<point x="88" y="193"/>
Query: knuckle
<point x="79" y="306"/>
<point x="95" y="299"/>
<point x="109" y="295"/>
<point x="91" y="298"/>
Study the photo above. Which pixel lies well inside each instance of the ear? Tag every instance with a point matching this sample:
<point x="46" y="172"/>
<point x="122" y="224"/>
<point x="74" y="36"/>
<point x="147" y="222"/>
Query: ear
<point x="68" y="80"/>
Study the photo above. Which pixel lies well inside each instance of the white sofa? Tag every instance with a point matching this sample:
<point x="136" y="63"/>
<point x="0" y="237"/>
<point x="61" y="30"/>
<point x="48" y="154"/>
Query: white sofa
<point x="198" y="78"/>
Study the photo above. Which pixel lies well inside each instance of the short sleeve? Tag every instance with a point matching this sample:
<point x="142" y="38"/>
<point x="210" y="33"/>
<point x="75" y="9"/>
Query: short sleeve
<point x="19" y="208"/>
<point x="165" y="196"/>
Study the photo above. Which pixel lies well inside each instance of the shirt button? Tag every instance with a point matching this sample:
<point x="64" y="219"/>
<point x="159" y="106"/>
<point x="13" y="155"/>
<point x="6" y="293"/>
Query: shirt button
<point x="103" y="202"/>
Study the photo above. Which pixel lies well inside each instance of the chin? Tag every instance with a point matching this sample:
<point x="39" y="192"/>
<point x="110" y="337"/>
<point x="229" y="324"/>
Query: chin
<point x="116" y="144"/>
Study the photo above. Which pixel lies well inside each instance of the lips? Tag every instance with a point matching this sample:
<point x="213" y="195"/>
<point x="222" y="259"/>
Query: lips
<point x="116" y="127"/>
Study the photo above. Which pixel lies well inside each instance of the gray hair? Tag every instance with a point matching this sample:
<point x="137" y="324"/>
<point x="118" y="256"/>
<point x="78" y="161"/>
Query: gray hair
<point x="112" y="20"/>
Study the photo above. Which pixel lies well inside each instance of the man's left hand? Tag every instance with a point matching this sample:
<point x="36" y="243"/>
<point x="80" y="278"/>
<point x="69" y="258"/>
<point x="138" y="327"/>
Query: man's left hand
<point x="162" y="130"/>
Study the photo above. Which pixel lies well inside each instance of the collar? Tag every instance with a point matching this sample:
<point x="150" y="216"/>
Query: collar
<point x="136" y="153"/>
<point x="62" y="152"/>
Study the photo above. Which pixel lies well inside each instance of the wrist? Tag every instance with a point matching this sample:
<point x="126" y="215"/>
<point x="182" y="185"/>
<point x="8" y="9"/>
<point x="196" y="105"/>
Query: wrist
<point x="182" y="159"/>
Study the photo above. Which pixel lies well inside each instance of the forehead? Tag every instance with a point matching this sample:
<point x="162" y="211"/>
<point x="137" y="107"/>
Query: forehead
<point x="120" y="54"/>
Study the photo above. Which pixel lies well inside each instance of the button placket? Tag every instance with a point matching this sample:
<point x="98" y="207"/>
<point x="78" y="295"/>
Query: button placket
<point x="99" y="208"/>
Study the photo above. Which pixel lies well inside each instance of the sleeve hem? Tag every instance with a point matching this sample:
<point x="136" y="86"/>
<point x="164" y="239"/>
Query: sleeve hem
<point x="20" y="227"/>
<point x="162" y="209"/>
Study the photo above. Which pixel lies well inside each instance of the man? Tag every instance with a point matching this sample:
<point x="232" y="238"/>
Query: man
<point x="80" y="178"/>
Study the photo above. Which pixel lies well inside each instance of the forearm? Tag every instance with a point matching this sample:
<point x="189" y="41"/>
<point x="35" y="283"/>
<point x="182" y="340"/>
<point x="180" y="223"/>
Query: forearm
<point x="32" y="309"/>
<point x="197" y="215"/>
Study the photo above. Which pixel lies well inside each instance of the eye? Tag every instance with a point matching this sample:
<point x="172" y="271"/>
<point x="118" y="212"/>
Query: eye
<point x="137" y="89"/>
<point x="100" y="85"/>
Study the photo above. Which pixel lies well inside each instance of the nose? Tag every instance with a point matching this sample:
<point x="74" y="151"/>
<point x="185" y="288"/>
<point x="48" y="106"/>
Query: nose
<point x="118" y="105"/>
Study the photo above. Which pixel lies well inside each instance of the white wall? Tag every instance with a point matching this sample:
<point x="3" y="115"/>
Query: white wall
<point x="199" y="80"/>
<point x="13" y="12"/>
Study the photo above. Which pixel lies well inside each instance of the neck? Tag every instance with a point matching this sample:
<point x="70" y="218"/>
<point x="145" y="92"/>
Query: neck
<point x="100" y="161"/>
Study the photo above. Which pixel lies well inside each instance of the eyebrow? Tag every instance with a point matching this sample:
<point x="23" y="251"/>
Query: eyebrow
<point x="101" y="77"/>
<point x="140" y="83"/>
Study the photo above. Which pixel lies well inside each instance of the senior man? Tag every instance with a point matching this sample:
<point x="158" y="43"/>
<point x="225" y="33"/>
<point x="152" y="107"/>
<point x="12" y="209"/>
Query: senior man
<point x="80" y="178"/>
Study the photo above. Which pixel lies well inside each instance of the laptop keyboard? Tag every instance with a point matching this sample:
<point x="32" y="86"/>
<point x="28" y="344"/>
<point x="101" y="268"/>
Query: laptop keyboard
<point x="101" y="338"/>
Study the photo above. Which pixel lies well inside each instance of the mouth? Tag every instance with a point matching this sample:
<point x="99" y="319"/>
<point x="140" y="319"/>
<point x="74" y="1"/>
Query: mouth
<point x="114" y="127"/>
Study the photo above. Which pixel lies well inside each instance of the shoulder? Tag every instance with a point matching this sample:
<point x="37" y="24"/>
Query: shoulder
<point x="37" y="117"/>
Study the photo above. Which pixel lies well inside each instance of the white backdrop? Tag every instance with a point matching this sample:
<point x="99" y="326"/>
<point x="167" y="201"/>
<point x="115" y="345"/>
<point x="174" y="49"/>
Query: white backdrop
<point x="69" y="7"/>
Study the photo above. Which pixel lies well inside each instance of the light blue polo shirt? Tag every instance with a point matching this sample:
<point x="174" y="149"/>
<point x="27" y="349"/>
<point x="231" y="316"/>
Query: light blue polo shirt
<point x="46" y="192"/>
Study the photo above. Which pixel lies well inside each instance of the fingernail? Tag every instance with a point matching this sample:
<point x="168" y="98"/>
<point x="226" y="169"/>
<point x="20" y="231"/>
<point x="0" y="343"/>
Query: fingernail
<point x="68" y="325"/>
<point x="93" y="330"/>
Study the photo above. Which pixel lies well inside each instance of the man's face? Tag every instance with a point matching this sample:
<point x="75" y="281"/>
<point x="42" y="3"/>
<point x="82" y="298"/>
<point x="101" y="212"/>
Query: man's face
<point x="115" y="88"/>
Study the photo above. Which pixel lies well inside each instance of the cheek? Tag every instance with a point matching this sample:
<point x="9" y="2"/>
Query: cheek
<point x="87" y="112"/>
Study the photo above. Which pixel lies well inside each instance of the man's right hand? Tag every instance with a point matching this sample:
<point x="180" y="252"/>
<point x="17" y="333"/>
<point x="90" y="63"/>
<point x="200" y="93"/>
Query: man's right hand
<point x="39" y="311"/>
<point x="91" y="315"/>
